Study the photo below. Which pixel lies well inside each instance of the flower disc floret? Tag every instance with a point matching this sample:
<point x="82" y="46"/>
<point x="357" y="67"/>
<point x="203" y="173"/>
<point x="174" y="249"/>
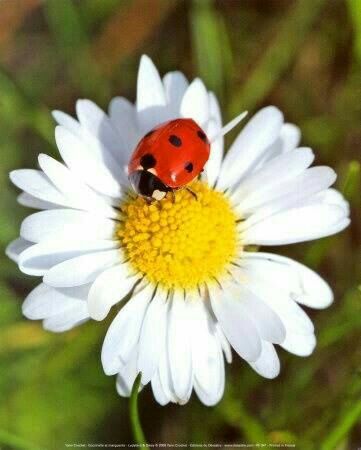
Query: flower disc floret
<point x="181" y="241"/>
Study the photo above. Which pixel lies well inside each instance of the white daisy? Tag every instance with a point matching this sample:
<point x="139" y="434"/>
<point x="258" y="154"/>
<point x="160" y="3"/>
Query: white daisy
<point x="183" y="271"/>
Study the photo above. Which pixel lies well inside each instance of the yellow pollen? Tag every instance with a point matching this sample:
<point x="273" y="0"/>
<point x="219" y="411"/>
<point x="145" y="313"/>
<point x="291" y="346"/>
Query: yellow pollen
<point x="180" y="242"/>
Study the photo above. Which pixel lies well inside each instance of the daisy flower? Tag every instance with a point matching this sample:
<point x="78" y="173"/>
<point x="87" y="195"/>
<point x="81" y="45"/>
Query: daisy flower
<point x="183" y="271"/>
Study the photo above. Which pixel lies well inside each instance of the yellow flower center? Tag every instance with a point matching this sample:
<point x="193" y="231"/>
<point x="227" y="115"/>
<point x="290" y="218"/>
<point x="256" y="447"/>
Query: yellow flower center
<point x="180" y="241"/>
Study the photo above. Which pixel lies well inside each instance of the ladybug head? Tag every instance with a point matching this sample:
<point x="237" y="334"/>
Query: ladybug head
<point x="148" y="185"/>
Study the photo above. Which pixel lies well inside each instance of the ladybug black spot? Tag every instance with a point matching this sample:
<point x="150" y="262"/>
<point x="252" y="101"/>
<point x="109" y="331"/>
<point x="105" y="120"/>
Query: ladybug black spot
<point x="202" y="135"/>
<point x="188" y="167"/>
<point x="175" y="140"/>
<point x="147" y="161"/>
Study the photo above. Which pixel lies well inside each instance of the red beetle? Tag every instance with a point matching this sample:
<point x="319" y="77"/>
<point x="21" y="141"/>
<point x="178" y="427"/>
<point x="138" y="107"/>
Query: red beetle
<point x="168" y="157"/>
<point x="171" y="155"/>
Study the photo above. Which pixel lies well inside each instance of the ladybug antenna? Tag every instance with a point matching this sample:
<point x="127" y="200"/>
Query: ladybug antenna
<point x="230" y="125"/>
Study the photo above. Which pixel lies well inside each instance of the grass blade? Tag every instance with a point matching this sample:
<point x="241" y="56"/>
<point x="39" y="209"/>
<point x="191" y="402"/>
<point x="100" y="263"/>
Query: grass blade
<point x="210" y="45"/>
<point x="278" y="56"/>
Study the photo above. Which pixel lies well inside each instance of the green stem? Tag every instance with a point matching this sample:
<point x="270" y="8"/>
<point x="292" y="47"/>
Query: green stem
<point x="134" y="414"/>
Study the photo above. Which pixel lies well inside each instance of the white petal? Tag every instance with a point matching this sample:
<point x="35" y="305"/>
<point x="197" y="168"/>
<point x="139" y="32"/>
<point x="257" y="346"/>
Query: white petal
<point x="261" y="277"/>
<point x="290" y="136"/>
<point x="45" y="301"/>
<point x="268" y="268"/>
<point x="108" y="289"/>
<point x="224" y="344"/>
<point x="39" y="258"/>
<point x="126" y="377"/>
<point x="299" y="344"/>
<point x="90" y="163"/>
<point x="38" y="185"/>
<point x="297" y="225"/>
<point x="123" y="333"/>
<point x="165" y="372"/>
<point x="175" y="85"/>
<point x="68" y="319"/>
<point x="16" y="247"/>
<point x="67" y="122"/>
<point x="214" y="109"/>
<point x="268" y="323"/>
<point x="150" y="91"/>
<point x="306" y="184"/>
<point x="212" y="398"/>
<point x="213" y="128"/>
<point x="152" y="336"/>
<point x="268" y="363"/>
<point x="207" y="358"/>
<point x="278" y="170"/>
<point x="103" y="138"/>
<point x="151" y="99"/>
<point x="195" y="103"/>
<point x="286" y="195"/>
<point x="250" y="145"/>
<point x="213" y="165"/>
<point x="179" y="348"/>
<point x="306" y="286"/>
<point x="98" y="124"/>
<point x="228" y="127"/>
<point x="288" y="139"/>
<point x="78" y="194"/>
<point x="59" y="224"/>
<point x="82" y="269"/>
<point x="236" y="324"/>
<point x="331" y="197"/>
<point x="158" y="391"/>
<point x="123" y="118"/>
<point x="29" y="201"/>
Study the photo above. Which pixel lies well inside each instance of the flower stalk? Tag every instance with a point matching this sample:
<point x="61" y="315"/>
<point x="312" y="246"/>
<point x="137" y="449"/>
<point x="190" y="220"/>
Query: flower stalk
<point x="134" y="415"/>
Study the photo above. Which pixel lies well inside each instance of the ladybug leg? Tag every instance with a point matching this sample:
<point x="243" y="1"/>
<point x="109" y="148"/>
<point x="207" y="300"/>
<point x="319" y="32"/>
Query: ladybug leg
<point x="192" y="192"/>
<point x="172" y="193"/>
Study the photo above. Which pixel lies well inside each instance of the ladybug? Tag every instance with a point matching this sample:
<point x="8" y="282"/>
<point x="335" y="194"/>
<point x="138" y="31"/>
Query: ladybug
<point x="167" y="158"/>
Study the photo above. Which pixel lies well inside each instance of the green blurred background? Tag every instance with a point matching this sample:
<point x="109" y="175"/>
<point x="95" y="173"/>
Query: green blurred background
<point x="303" y="56"/>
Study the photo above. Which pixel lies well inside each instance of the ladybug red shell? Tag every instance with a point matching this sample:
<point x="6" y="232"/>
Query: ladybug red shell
<point x="168" y="157"/>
